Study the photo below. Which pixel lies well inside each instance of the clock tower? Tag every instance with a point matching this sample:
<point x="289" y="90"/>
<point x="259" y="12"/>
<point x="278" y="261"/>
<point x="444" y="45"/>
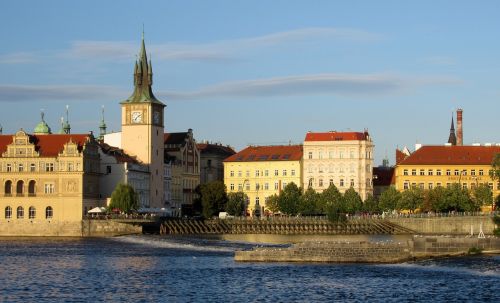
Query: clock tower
<point x="142" y="126"/>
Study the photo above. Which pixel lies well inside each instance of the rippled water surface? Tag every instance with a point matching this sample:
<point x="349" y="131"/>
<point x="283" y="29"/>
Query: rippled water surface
<point x="157" y="269"/>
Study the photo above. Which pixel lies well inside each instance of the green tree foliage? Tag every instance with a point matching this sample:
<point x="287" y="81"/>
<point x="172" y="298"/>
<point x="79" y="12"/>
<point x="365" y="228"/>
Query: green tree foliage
<point x="352" y="201"/>
<point x="333" y="204"/>
<point x="482" y="195"/>
<point x="411" y="199"/>
<point x="496" y="220"/>
<point x="124" y="198"/>
<point x="389" y="199"/>
<point x="236" y="203"/>
<point x="309" y="201"/>
<point x="289" y="198"/>
<point x="457" y="199"/>
<point x="213" y="198"/>
<point x="371" y="205"/>
<point x="495" y="168"/>
<point x="273" y="203"/>
<point x="434" y="198"/>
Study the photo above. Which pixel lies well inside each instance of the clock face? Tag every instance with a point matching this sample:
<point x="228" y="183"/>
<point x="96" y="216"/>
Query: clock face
<point x="136" y="117"/>
<point x="156" y="117"/>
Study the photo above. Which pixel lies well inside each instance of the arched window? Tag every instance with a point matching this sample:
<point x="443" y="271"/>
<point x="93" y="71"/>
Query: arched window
<point x="32" y="212"/>
<point x="19" y="187"/>
<point x="49" y="212"/>
<point x="8" y="212"/>
<point x="8" y="188"/>
<point x="20" y="212"/>
<point x="31" y="188"/>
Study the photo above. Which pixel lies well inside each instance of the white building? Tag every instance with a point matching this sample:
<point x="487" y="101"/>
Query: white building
<point x="344" y="159"/>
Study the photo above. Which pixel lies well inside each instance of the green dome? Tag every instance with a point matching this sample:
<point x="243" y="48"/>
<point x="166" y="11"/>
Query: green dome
<point x="42" y="128"/>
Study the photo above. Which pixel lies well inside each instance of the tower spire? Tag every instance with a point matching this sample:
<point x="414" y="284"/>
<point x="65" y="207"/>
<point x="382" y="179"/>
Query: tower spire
<point x="66" y="128"/>
<point x="102" y="125"/>
<point x="452" y="139"/>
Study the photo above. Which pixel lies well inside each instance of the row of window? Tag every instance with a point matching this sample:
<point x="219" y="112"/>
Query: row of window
<point x="49" y="188"/>
<point x="264" y="173"/>
<point x="49" y="212"/>
<point x="265" y="186"/>
<point x="439" y="172"/>
<point x="430" y="185"/>
<point x="331" y="155"/>
<point x="48" y="167"/>
<point x="333" y="169"/>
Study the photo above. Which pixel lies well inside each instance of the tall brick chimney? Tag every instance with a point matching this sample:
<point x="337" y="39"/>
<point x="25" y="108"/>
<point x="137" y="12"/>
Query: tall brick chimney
<point x="460" y="134"/>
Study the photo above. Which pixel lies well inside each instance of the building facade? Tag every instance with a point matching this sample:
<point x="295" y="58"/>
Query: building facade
<point x="118" y="167"/>
<point x="344" y="159"/>
<point x="262" y="171"/>
<point x="211" y="161"/>
<point x="183" y="160"/>
<point x="432" y="166"/>
<point x="48" y="182"/>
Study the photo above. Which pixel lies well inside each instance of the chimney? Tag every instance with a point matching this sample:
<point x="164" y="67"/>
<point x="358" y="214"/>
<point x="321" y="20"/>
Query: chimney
<point x="460" y="135"/>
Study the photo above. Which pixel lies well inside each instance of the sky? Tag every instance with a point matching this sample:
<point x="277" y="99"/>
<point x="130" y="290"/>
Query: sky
<point x="259" y="72"/>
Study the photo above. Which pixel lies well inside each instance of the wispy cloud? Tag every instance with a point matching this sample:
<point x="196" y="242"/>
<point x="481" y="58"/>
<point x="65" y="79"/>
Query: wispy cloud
<point x="215" y="50"/>
<point x="318" y="84"/>
<point x="439" y="60"/>
<point x="57" y="93"/>
<point x="19" y="58"/>
<point x="303" y="85"/>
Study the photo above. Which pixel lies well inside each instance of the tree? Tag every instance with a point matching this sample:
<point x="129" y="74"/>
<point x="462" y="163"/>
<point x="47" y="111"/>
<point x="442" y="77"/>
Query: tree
<point x="289" y="199"/>
<point x="213" y="198"/>
<point x="495" y="168"/>
<point x="236" y="203"/>
<point x="124" y="198"/>
<point x="352" y="201"/>
<point x="411" y="199"/>
<point x="389" y="199"/>
<point x="371" y="205"/>
<point x="434" y="199"/>
<point x="308" y="204"/>
<point x="333" y="204"/>
<point x="273" y="203"/>
<point x="457" y="199"/>
<point x="482" y="195"/>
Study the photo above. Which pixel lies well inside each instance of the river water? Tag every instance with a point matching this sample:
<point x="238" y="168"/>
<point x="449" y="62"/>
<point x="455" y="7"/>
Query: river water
<point x="182" y="269"/>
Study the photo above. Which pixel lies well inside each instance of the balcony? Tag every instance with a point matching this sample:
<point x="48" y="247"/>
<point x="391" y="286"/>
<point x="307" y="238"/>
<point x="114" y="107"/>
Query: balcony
<point x="7" y="195"/>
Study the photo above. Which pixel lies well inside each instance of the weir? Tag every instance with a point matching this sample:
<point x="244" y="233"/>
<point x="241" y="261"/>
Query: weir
<point x="283" y="226"/>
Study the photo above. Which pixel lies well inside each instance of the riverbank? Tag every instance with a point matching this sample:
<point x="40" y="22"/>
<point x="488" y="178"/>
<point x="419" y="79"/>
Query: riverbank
<point x="371" y="252"/>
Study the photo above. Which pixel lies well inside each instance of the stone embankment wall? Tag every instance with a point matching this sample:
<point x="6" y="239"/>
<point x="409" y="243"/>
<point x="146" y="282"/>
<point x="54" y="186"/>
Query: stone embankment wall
<point x="108" y="228"/>
<point x="446" y="225"/>
<point x="367" y="252"/>
<point x="84" y="228"/>
<point x="33" y="228"/>
<point x="351" y="252"/>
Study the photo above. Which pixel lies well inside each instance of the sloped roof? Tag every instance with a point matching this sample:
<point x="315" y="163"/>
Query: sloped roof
<point x="49" y="145"/>
<point x="452" y="155"/>
<point x="175" y="138"/>
<point x="215" y="148"/>
<point x="268" y="153"/>
<point x="385" y="176"/>
<point x="336" y="136"/>
<point x="117" y="153"/>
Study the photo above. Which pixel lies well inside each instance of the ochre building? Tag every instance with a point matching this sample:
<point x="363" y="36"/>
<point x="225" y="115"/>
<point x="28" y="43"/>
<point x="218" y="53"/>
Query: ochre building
<point x="262" y="171"/>
<point x="432" y="166"/>
<point x="48" y="181"/>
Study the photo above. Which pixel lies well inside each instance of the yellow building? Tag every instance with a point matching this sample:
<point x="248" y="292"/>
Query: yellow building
<point x="432" y="166"/>
<point x="262" y="171"/>
<point x="48" y="182"/>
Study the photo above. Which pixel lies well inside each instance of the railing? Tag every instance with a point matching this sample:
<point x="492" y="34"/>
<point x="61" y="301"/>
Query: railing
<point x="7" y="195"/>
<point x="441" y="215"/>
<point x="31" y="195"/>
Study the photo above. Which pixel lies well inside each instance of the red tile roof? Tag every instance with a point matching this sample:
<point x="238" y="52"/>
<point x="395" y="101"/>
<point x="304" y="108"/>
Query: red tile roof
<point x="117" y="153"/>
<point x="400" y="156"/>
<point x="268" y="153"/>
<point x="336" y="136"/>
<point x="453" y="155"/>
<point x="47" y="145"/>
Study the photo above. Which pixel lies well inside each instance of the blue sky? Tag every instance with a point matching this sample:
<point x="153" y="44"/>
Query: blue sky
<point x="259" y="72"/>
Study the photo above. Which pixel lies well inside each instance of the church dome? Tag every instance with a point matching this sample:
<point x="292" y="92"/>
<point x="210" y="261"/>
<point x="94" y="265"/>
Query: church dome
<point x="42" y="128"/>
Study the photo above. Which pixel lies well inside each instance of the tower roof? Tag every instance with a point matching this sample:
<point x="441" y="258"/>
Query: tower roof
<point x="143" y="79"/>
<point x="452" y="139"/>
